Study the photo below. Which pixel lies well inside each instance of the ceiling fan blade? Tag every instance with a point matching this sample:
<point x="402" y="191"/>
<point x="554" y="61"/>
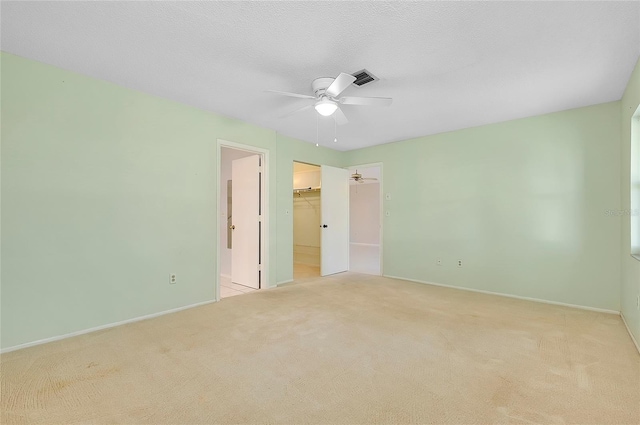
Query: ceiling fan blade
<point x="368" y="101"/>
<point x="286" y="93"/>
<point x="340" y="117"/>
<point x="368" y="178"/>
<point x="340" y="84"/>
<point x="296" y="111"/>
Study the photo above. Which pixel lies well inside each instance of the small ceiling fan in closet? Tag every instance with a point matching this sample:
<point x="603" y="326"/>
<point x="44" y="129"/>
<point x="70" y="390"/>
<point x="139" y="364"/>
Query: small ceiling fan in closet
<point x="326" y="97"/>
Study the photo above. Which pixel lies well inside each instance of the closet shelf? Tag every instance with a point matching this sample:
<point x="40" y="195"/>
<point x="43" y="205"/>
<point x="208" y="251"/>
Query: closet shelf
<point x="306" y="189"/>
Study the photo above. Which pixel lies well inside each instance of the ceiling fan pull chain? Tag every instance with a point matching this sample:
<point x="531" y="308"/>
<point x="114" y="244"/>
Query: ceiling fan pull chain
<point x="317" y="131"/>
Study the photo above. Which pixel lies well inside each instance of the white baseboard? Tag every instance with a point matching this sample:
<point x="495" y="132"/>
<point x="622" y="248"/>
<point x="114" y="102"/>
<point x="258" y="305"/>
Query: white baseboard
<point x="539" y="300"/>
<point x="99" y="328"/>
<point x="630" y="334"/>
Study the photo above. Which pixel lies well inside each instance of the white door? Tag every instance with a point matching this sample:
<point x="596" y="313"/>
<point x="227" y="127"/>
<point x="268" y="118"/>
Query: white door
<point x="334" y="222"/>
<point x="245" y="242"/>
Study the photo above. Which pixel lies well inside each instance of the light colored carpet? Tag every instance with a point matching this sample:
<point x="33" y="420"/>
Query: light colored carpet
<point x="305" y="271"/>
<point x="345" y="349"/>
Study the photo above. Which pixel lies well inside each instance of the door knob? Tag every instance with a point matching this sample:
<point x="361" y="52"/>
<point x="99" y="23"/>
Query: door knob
<point x="325" y="226"/>
<point x="232" y="227"/>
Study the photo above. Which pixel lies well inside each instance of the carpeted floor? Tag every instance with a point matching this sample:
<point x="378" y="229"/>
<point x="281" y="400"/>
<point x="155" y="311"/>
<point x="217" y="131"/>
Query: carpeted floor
<point x="344" y="349"/>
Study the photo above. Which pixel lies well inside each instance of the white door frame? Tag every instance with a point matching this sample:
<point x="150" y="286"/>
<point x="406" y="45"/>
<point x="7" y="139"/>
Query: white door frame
<point x="380" y="165"/>
<point x="264" y="243"/>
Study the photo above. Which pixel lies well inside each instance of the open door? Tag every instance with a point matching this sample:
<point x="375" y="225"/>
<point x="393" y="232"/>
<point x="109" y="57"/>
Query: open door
<point x="245" y="251"/>
<point x="334" y="207"/>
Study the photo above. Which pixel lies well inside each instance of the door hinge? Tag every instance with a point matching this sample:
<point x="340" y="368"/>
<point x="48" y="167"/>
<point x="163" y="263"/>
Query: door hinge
<point x="259" y="267"/>
<point x="259" y="219"/>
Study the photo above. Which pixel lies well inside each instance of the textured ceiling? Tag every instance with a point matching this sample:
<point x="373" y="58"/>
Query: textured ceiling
<point x="447" y="65"/>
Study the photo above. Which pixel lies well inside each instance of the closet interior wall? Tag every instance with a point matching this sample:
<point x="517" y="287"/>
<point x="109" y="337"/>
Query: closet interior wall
<point x="306" y="215"/>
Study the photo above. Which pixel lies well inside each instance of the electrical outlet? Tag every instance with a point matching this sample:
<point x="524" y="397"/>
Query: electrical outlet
<point x="172" y="278"/>
<point x="439" y="261"/>
<point x="459" y="263"/>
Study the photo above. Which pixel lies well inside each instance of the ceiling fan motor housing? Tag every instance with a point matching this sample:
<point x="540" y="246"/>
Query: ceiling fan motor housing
<point x="320" y="85"/>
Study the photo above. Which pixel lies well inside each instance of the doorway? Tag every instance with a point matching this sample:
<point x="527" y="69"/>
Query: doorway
<point x="320" y="220"/>
<point x="365" y="219"/>
<point x="306" y="221"/>
<point x="242" y="219"/>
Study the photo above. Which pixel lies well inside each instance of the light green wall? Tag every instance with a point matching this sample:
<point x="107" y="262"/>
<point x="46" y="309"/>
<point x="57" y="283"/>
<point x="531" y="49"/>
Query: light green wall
<point x="630" y="266"/>
<point x="522" y="203"/>
<point x="105" y="191"/>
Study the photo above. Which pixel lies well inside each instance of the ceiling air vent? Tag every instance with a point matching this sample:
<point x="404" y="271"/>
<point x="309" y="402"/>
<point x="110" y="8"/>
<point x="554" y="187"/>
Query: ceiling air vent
<point x="364" y="77"/>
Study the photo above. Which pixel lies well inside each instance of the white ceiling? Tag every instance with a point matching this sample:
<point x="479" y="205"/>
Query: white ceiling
<point x="448" y="65"/>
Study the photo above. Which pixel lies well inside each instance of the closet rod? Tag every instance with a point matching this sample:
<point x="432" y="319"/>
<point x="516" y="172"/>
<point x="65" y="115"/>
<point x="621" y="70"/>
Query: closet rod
<point x="306" y="189"/>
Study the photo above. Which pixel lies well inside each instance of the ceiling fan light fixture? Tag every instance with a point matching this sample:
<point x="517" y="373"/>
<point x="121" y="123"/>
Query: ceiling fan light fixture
<point x="325" y="107"/>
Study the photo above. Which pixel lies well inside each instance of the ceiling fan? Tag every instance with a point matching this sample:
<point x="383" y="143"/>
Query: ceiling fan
<point x="327" y="98"/>
<point x="357" y="177"/>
